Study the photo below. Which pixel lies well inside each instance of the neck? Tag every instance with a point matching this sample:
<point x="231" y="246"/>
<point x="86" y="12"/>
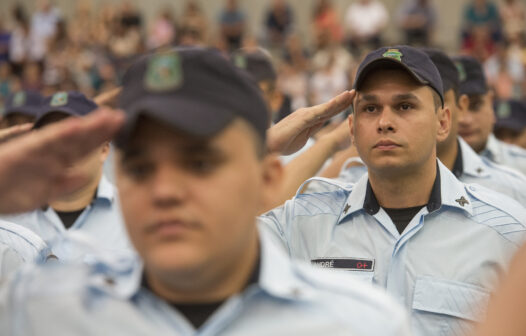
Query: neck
<point x="404" y="191"/>
<point x="211" y="283"/>
<point x="79" y="199"/>
<point x="447" y="153"/>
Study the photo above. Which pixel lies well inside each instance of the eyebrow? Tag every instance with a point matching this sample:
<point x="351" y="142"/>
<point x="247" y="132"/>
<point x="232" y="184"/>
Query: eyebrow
<point x="367" y="98"/>
<point x="187" y="150"/>
<point x="370" y="98"/>
<point x="405" y="96"/>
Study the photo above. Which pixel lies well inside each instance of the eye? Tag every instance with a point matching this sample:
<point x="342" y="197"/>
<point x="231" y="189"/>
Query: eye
<point x="201" y="166"/>
<point x="369" y="108"/>
<point x="139" y="170"/>
<point x="405" y="106"/>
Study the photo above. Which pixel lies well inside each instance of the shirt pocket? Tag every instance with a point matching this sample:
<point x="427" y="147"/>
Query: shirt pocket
<point x="446" y="307"/>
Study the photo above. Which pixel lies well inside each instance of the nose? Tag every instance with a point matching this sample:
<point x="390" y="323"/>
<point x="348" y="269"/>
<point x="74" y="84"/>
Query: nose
<point x="385" y="121"/>
<point x="168" y="186"/>
<point x="464" y="118"/>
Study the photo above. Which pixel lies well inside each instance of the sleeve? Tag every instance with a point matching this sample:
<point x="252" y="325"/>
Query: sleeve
<point x="10" y="261"/>
<point x="276" y="222"/>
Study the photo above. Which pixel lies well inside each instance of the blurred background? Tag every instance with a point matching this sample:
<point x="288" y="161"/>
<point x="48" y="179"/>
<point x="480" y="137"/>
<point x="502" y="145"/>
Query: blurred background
<point x="315" y="44"/>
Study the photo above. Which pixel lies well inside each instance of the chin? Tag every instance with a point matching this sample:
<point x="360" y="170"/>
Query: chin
<point x="176" y="259"/>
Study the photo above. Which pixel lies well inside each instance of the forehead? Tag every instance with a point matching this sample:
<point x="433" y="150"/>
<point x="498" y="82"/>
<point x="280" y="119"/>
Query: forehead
<point x="389" y="78"/>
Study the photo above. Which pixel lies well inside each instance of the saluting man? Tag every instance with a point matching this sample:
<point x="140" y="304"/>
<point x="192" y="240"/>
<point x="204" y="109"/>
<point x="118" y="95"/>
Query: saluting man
<point x="409" y="225"/>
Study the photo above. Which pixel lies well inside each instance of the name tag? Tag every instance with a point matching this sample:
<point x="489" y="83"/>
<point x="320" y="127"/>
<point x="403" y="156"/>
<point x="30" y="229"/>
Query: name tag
<point x="351" y="264"/>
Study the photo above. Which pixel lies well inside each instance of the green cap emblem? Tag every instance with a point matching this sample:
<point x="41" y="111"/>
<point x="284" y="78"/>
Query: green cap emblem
<point x="504" y="110"/>
<point x="393" y="53"/>
<point x="462" y="76"/>
<point x="164" y="72"/>
<point x="240" y="61"/>
<point x="59" y="99"/>
<point x="19" y="99"/>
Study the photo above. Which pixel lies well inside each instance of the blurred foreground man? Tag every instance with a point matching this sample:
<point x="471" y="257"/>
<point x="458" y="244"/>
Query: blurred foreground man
<point x="478" y="117"/>
<point x="409" y="225"/>
<point x="92" y="208"/>
<point x="192" y="175"/>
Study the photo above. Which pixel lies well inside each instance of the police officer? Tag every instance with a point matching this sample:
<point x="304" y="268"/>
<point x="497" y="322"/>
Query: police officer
<point x="477" y="119"/>
<point x="408" y="225"/>
<point x="93" y="207"/>
<point x="454" y="152"/>
<point x="21" y="107"/>
<point x="192" y="174"/>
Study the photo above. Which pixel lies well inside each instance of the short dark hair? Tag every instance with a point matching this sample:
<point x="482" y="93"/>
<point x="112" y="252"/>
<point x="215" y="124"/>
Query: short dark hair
<point x="475" y="101"/>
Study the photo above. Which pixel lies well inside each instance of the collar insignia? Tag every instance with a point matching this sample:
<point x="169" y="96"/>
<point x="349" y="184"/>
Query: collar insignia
<point x="462" y="201"/>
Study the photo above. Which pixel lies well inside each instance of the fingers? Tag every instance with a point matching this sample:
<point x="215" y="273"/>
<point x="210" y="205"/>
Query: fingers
<point x="334" y="106"/>
<point x="13" y="131"/>
<point x="108" y="97"/>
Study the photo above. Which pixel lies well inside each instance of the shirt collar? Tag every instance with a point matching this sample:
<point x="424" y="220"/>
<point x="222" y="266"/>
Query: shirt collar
<point x="446" y="190"/>
<point x="492" y="150"/>
<point x="105" y="191"/>
<point x="472" y="162"/>
<point x="458" y="166"/>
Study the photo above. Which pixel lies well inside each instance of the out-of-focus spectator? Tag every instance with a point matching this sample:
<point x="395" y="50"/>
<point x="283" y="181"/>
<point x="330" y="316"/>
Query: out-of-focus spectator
<point x="20" y="42"/>
<point x="130" y="17"/>
<point x="232" y="23"/>
<point x="326" y="22"/>
<point x="481" y="28"/>
<point x="417" y="19"/>
<point x="278" y="22"/>
<point x="193" y="29"/>
<point x="364" y="22"/>
<point x="295" y="53"/>
<point x="43" y="27"/>
<point x="513" y="18"/>
<point x="32" y="77"/>
<point x="6" y="80"/>
<point x="162" y="31"/>
<point x="293" y="72"/>
<point x="5" y="36"/>
<point x="505" y="72"/>
<point x="327" y="81"/>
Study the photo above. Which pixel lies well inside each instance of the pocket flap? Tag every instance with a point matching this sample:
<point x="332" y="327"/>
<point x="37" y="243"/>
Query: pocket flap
<point x="450" y="298"/>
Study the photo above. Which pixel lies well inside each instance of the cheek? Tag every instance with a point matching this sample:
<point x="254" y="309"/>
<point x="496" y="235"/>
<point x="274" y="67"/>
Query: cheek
<point x="133" y="203"/>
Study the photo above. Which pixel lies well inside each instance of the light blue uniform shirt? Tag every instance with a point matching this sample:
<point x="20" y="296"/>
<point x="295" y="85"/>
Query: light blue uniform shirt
<point x="475" y="169"/>
<point x="441" y="268"/>
<point x="101" y="220"/>
<point x="505" y="154"/>
<point x="18" y="246"/>
<point x="289" y="299"/>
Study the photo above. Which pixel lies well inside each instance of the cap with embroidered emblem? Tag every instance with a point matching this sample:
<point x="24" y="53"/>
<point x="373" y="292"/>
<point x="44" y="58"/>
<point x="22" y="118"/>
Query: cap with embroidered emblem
<point x="70" y="103"/>
<point x="25" y="102"/>
<point x="471" y="76"/>
<point x="257" y="62"/>
<point x="410" y="59"/>
<point x="511" y="114"/>
<point x="196" y="90"/>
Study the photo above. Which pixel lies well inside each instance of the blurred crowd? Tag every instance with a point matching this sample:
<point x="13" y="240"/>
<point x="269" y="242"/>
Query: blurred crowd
<point x="89" y="50"/>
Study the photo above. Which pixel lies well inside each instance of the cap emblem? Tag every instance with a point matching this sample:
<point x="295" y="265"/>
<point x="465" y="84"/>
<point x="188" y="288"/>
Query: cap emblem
<point x="504" y="110"/>
<point x="393" y="53"/>
<point x="462" y="76"/>
<point x="19" y="99"/>
<point x="240" y="61"/>
<point x="164" y="72"/>
<point x="59" y="99"/>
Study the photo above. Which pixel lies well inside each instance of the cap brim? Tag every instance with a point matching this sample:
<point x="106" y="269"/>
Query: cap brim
<point x="41" y="119"/>
<point x="190" y="116"/>
<point x="381" y="63"/>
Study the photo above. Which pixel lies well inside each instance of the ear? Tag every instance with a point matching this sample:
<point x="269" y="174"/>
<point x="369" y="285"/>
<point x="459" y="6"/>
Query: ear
<point x="444" y="123"/>
<point x="463" y="103"/>
<point x="273" y="174"/>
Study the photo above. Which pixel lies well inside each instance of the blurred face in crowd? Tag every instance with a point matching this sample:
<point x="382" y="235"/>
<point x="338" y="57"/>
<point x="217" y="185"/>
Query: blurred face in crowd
<point x="451" y="103"/>
<point x="476" y="119"/>
<point x="189" y="202"/>
<point x="89" y="167"/>
<point x="396" y="123"/>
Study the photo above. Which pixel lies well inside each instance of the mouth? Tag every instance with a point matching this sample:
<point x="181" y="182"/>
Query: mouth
<point x="386" y="145"/>
<point x="169" y="228"/>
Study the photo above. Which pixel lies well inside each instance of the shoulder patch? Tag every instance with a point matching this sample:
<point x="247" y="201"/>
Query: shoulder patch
<point x="320" y="203"/>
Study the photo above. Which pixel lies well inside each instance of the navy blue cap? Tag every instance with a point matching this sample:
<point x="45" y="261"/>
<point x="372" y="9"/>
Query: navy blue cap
<point x="511" y="114"/>
<point x="257" y="62"/>
<point x="410" y="59"/>
<point x="24" y="102"/>
<point x="196" y="90"/>
<point x="471" y="76"/>
<point x="71" y="103"/>
<point x="447" y="69"/>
